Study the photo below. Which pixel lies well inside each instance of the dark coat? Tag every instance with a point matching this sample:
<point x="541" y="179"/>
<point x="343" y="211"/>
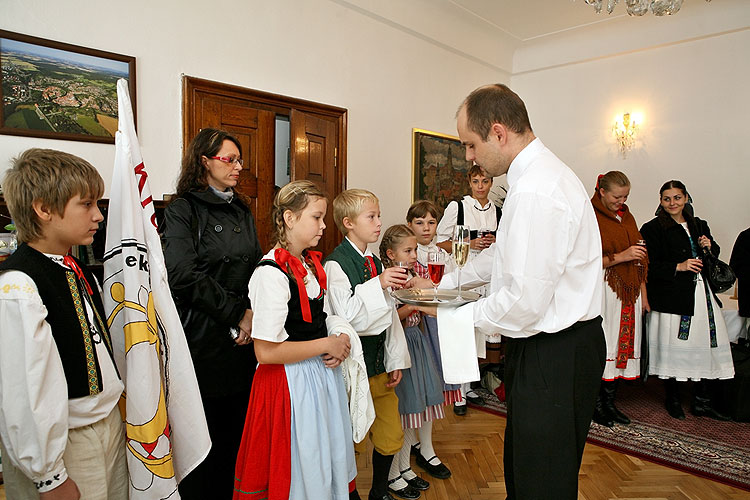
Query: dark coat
<point x="211" y="248"/>
<point x="669" y="290"/>
<point x="740" y="263"/>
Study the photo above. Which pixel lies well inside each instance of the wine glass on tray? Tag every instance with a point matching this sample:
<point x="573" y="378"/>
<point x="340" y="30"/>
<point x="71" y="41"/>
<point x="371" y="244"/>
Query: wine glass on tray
<point x="436" y="269"/>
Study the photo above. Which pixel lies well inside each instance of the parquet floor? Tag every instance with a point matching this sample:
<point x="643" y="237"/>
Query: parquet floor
<point x="472" y="447"/>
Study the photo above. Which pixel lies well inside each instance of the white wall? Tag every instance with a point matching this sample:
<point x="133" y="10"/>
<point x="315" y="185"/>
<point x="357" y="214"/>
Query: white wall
<point x="389" y="79"/>
<point x="695" y="103"/>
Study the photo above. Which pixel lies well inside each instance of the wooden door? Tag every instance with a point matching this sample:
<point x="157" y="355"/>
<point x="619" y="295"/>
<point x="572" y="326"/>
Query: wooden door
<point x="254" y="128"/>
<point x="314" y="149"/>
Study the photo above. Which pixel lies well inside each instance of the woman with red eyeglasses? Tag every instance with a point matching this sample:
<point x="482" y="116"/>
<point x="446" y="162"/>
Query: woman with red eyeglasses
<point x="211" y="248"/>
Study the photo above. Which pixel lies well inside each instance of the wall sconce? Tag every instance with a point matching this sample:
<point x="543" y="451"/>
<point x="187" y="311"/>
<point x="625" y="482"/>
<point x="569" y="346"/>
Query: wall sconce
<point x="624" y="130"/>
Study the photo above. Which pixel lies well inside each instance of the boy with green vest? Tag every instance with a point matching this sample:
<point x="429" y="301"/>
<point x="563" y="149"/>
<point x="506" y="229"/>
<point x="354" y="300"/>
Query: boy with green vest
<point x="358" y="292"/>
<point x="60" y="429"/>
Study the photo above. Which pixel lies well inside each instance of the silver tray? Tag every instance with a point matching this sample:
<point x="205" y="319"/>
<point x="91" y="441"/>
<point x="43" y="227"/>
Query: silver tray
<point x="428" y="297"/>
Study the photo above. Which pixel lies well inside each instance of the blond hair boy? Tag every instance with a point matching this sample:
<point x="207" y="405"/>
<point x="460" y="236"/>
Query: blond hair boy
<point x="358" y="292"/>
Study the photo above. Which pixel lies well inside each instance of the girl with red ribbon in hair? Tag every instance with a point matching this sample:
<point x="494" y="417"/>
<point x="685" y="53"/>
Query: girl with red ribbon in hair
<point x="297" y="442"/>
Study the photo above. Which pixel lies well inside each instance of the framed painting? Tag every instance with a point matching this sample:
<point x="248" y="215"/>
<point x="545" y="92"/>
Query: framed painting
<point x="439" y="168"/>
<point x="57" y="90"/>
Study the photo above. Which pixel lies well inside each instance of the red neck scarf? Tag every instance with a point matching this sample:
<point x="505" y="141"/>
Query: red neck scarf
<point x="292" y="264"/>
<point x="69" y="261"/>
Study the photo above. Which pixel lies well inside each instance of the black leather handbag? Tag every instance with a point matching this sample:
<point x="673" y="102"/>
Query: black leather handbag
<point x="720" y="276"/>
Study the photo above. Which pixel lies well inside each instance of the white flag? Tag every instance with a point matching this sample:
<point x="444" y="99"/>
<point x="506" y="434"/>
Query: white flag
<point x="167" y="436"/>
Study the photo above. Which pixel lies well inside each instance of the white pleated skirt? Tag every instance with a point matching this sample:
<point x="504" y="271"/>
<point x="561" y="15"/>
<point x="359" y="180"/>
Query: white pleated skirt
<point x="693" y="358"/>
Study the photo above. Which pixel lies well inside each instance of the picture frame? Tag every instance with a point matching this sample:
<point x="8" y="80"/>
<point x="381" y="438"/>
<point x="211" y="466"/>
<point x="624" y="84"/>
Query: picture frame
<point x="439" y="167"/>
<point x="57" y="90"/>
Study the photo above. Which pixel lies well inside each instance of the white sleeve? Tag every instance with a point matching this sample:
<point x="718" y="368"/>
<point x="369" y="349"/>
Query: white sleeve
<point x="269" y="294"/>
<point x="447" y="223"/>
<point x="396" y="349"/>
<point x="33" y="391"/>
<point x="366" y="309"/>
<point x="536" y="244"/>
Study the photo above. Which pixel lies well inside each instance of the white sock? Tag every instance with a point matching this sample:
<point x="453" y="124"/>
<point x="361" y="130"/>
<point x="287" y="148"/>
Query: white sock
<point x="464" y="388"/>
<point x="425" y="437"/>
<point x="410" y="437"/>
<point x="395" y="473"/>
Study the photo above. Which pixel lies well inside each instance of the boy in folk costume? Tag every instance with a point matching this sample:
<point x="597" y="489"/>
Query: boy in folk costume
<point x="358" y="292"/>
<point x="625" y="263"/>
<point x="61" y="433"/>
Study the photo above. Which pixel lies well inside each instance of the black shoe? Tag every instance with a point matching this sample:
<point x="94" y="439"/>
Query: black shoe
<point x="407" y="492"/>
<point x="353" y="495"/>
<point x="386" y="496"/>
<point x="601" y="417"/>
<point x="414" y="450"/>
<point x="439" y="471"/>
<point x="607" y="394"/>
<point x="674" y="408"/>
<point x="417" y="482"/>
<point x="701" y="407"/>
<point x="459" y="410"/>
<point x="473" y="398"/>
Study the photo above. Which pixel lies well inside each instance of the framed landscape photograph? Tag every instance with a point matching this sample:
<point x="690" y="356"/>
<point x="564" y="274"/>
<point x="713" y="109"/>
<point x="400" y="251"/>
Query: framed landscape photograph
<point x="439" y="167"/>
<point x="60" y="91"/>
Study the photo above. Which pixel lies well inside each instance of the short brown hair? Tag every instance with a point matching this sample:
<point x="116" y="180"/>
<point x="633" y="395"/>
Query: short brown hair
<point x="492" y="104"/>
<point x="420" y="208"/>
<point x="52" y="177"/>
<point x="476" y="171"/>
<point x="349" y="203"/>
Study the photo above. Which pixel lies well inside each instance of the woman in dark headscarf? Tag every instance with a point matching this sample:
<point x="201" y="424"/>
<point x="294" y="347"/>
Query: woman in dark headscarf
<point x="687" y="335"/>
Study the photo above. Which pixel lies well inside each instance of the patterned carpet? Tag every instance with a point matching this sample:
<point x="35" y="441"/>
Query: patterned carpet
<point x="716" y="450"/>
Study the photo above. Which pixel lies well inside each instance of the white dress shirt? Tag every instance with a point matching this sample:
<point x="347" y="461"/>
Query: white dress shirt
<point x="545" y="269"/>
<point x="35" y="412"/>
<point x="369" y="309"/>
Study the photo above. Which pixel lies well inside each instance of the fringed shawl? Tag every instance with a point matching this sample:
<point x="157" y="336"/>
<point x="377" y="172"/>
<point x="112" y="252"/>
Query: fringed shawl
<point x="625" y="278"/>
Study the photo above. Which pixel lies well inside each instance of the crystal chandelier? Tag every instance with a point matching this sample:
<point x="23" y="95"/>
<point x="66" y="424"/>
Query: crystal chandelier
<point x="640" y="7"/>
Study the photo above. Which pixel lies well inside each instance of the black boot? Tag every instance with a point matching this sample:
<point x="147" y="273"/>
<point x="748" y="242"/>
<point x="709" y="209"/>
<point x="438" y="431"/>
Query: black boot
<point x="702" y="405"/>
<point x="609" y="389"/>
<point x="672" y="400"/>
<point x="601" y="416"/>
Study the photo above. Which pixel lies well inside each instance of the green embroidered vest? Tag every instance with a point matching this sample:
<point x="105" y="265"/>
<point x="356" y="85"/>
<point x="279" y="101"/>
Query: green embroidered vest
<point x="356" y="269"/>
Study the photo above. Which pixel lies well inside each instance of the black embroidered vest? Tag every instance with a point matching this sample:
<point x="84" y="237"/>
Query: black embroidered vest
<point x="297" y="328"/>
<point x="63" y="296"/>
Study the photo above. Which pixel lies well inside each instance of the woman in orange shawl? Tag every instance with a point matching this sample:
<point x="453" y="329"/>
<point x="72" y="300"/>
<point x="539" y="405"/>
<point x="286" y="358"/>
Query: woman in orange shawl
<point x="625" y="262"/>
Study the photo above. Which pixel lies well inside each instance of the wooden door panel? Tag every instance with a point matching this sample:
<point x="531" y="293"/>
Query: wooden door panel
<point x="314" y="158"/>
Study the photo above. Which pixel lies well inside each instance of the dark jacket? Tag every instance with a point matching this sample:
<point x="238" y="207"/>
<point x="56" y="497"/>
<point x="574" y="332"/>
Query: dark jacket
<point x="669" y="290"/>
<point x="740" y="263"/>
<point x="211" y="248"/>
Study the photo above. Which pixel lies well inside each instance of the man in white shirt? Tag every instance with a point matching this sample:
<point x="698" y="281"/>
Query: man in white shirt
<point x="545" y="275"/>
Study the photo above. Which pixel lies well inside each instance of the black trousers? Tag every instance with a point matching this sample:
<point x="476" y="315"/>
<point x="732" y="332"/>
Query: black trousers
<point x="552" y="380"/>
<point x="214" y="477"/>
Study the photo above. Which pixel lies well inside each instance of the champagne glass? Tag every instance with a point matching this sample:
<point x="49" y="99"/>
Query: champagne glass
<point x="461" y="242"/>
<point x="436" y="268"/>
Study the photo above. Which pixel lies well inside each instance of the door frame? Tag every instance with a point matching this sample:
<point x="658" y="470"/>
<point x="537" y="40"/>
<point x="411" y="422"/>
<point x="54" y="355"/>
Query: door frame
<point x="276" y="103"/>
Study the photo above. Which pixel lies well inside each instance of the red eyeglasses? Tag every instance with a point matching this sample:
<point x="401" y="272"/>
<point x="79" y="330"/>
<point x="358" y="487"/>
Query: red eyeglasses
<point x="228" y="160"/>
